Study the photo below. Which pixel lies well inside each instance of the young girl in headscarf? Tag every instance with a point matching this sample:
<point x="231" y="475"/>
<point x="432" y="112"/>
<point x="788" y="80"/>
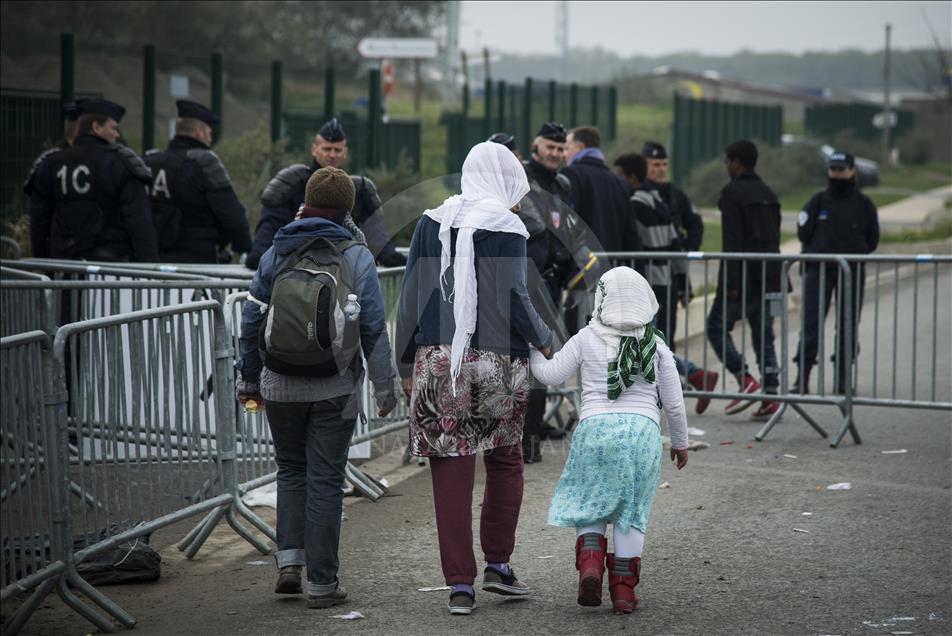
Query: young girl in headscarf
<point x="613" y="467"/>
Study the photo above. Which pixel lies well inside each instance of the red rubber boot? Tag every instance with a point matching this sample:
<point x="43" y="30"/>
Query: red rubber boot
<point x="622" y="588"/>
<point x="591" y="571"/>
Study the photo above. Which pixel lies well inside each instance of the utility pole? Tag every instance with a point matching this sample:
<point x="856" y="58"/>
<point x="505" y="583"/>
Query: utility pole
<point x="887" y="113"/>
<point x="562" y="38"/>
<point x="450" y="54"/>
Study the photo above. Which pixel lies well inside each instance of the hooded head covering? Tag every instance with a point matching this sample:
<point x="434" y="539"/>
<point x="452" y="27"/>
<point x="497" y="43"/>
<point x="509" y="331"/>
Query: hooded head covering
<point x="625" y="305"/>
<point x="493" y="182"/>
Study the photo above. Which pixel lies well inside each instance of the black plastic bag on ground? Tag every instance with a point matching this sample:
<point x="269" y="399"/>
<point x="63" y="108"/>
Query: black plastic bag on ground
<point x="132" y="561"/>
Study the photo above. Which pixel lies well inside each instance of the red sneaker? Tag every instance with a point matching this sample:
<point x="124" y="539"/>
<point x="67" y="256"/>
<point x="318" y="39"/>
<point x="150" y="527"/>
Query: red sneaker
<point x="747" y="385"/>
<point x="591" y="571"/>
<point x="703" y="380"/>
<point x="766" y="409"/>
<point x="622" y="588"/>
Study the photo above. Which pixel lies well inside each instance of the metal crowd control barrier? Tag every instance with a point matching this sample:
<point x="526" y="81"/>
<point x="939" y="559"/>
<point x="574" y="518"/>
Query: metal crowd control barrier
<point x="876" y="288"/>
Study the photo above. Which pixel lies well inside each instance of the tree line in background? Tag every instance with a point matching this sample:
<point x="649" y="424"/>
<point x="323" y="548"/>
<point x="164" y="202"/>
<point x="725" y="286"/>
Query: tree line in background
<point x="299" y="33"/>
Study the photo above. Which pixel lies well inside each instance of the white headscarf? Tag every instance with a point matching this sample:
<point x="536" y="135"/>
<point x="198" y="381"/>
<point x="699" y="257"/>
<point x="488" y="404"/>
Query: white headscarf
<point x="493" y="182"/>
<point x="624" y="305"/>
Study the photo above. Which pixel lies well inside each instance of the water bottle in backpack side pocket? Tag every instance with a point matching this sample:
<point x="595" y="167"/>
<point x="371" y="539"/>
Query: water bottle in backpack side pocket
<point x="351" y="308"/>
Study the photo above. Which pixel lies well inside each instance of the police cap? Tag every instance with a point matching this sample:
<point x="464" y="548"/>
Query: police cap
<point x="504" y="138"/>
<point x="552" y="130"/>
<point x="101" y="107"/>
<point x="194" y="110"/>
<point x="332" y="131"/>
<point x="653" y="150"/>
<point x="840" y="159"/>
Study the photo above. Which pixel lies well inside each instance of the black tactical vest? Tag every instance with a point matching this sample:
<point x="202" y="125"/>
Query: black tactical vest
<point x="166" y="179"/>
<point x="81" y="213"/>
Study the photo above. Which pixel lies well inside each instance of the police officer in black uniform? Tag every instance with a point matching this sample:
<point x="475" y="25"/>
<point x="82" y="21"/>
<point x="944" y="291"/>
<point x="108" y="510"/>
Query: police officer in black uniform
<point x="685" y="216"/>
<point x="559" y="249"/>
<point x="70" y="127"/>
<point x="90" y="201"/>
<point x="194" y="206"/>
<point x="284" y="194"/>
<point x="837" y="220"/>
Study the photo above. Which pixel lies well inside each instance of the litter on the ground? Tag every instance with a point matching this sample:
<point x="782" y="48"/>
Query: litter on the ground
<point x="695" y="431"/>
<point x="664" y="484"/>
<point x="801" y="530"/>
<point x="726" y="442"/>
<point x="259" y="562"/>
<point x="441" y="588"/>
<point x="790" y="456"/>
<point x="806" y="514"/>
<point x="696" y="445"/>
<point x="840" y="486"/>
<point x="266" y="495"/>
<point x="899" y="633"/>
<point x="889" y="622"/>
<point x="349" y="616"/>
<point x="895" y="452"/>
<point x="547" y="556"/>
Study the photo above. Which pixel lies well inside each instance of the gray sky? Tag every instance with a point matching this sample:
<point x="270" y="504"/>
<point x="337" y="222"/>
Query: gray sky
<point x="717" y="28"/>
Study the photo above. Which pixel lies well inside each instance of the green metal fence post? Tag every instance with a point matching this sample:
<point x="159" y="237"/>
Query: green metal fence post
<point x="67" y="66"/>
<point x="677" y="146"/>
<point x="148" y="97"/>
<point x="487" y="107"/>
<point x="552" y="100"/>
<point x="595" y="106"/>
<point x="373" y="119"/>
<point x="501" y="98"/>
<point x="573" y="105"/>
<point x="465" y="101"/>
<point x="218" y="90"/>
<point x="277" y="104"/>
<point x="526" y="118"/>
<point x="329" y="85"/>
<point x="612" y="112"/>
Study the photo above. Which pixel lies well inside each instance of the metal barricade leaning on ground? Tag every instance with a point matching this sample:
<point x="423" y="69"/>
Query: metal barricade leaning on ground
<point x="899" y="349"/>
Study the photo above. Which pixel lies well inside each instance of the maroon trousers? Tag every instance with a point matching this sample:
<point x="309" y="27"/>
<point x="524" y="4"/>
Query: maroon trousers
<point x="453" y="479"/>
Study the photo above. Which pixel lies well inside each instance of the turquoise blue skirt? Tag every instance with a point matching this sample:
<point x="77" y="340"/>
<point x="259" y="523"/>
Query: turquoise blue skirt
<point x="611" y="474"/>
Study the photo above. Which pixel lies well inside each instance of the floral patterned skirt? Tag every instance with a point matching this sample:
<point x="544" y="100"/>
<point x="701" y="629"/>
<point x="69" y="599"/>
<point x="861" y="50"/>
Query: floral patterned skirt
<point x="487" y="411"/>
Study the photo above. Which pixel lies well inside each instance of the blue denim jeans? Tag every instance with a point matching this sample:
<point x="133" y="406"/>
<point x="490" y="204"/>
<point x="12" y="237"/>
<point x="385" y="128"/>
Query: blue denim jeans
<point x="311" y="440"/>
<point x="719" y="322"/>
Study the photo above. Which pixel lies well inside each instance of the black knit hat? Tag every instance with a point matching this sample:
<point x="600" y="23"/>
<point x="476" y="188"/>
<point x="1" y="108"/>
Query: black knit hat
<point x="330" y="188"/>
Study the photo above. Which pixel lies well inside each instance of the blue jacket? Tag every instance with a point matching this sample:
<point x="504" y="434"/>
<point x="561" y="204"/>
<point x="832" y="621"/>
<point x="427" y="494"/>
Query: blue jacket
<point x="506" y="321"/>
<point x="373" y="333"/>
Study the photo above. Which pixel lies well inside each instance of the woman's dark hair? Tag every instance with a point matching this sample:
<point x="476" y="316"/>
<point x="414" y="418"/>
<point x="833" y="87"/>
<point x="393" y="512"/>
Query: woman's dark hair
<point x="745" y="152"/>
<point x="633" y="164"/>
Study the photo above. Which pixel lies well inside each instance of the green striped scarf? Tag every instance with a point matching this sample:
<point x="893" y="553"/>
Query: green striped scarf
<point x="634" y="358"/>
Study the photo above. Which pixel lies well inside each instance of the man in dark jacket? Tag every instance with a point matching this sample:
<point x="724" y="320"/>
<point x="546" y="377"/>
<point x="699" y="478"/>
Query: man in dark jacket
<point x="70" y="130"/>
<point x="651" y="226"/>
<point x="285" y="192"/>
<point x="750" y="222"/>
<point x="312" y="419"/>
<point x="194" y="205"/>
<point x="684" y="215"/>
<point x="837" y="220"/>
<point x="89" y="201"/>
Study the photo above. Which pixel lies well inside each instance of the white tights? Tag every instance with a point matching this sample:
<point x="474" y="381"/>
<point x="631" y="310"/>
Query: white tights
<point x="626" y="544"/>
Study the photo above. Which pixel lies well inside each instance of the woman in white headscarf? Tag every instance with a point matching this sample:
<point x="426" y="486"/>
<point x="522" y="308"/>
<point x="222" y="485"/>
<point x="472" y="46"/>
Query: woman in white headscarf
<point x="614" y="464"/>
<point x="465" y="326"/>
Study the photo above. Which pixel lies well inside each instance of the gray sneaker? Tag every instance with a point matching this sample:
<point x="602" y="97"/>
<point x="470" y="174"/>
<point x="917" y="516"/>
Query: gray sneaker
<point x="461" y="603"/>
<point x="506" y="584"/>
<point x="289" y="580"/>
<point x="337" y="597"/>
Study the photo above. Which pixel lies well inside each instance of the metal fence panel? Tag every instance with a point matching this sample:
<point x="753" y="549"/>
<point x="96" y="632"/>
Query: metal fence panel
<point x="829" y="120"/>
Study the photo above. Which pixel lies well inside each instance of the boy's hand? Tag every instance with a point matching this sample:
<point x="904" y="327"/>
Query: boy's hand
<point x="680" y="457"/>
<point x="407" y="385"/>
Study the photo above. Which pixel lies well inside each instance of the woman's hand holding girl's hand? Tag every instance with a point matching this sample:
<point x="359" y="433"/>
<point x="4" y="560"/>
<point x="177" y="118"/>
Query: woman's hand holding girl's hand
<point x="680" y="457"/>
<point x="407" y="385"/>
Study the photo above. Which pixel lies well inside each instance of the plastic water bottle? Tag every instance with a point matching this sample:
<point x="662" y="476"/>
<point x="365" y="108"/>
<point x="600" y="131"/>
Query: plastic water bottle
<point x="351" y="308"/>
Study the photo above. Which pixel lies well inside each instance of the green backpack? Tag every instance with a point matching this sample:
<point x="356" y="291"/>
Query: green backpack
<point x="304" y="332"/>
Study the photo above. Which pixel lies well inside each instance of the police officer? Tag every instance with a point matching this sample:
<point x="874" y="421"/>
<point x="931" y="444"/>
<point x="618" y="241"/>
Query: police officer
<point x="194" y="206"/>
<point x="284" y="194"/>
<point x="90" y="201"/>
<point x="837" y="220"/>
<point x="70" y="126"/>
<point x="685" y="216"/>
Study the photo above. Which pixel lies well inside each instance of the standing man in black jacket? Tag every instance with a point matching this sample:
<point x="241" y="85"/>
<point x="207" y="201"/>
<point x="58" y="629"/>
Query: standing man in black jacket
<point x="837" y="220"/>
<point x="89" y="201"/>
<point x="750" y="222"/>
<point x="284" y="194"/>
<point x="194" y="206"/>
